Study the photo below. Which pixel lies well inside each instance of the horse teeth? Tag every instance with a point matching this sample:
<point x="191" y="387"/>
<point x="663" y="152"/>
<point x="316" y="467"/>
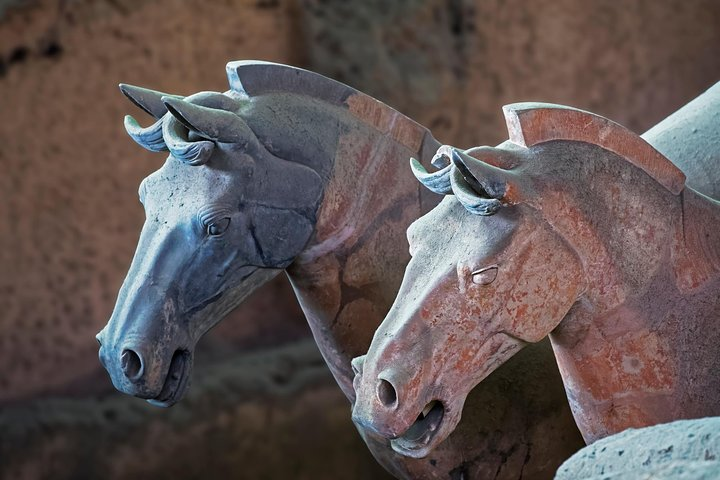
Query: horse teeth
<point x="427" y="409"/>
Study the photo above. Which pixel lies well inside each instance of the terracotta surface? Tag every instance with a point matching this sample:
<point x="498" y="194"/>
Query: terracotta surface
<point x="632" y="62"/>
<point x="557" y="235"/>
<point x="172" y="295"/>
<point x="292" y="169"/>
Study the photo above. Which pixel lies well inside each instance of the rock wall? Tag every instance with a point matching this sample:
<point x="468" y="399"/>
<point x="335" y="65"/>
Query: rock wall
<point x="69" y="215"/>
<point x="452" y="64"/>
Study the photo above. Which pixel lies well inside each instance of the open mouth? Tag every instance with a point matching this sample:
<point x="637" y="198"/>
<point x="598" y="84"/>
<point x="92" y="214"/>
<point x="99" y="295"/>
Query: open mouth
<point x="415" y="442"/>
<point x="176" y="381"/>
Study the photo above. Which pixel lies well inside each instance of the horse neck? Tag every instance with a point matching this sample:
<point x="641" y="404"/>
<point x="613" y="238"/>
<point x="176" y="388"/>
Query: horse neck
<point x="617" y="219"/>
<point x="651" y="262"/>
<point x="625" y="227"/>
<point x="346" y="278"/>
<point x="696" y="243"/>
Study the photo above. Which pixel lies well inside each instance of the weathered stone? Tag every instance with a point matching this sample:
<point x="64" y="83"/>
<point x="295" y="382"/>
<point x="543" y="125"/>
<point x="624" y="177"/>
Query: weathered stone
<point x="685" y="449"/>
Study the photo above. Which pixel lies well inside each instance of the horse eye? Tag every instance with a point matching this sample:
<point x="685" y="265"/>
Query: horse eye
<point x="484" y="276"/>
<point x="218" y="227"/>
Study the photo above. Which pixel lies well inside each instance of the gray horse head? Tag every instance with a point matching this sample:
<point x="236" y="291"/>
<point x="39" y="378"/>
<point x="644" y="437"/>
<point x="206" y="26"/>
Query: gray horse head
<point x="223" y="215"/>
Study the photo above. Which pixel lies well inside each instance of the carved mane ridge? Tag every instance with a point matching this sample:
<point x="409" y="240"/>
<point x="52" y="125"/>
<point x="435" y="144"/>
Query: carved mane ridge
<point x="534" y="123"/>
<point x="253" y="77"/>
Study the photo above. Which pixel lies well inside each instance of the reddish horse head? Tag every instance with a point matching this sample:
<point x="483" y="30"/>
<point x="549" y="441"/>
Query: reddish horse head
<point x="575" y="228"/>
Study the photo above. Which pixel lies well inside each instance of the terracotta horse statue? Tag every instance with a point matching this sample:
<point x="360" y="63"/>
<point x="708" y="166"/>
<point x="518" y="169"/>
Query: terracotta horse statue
<point x="574" y="228"/>
<point x="289" y="170"/>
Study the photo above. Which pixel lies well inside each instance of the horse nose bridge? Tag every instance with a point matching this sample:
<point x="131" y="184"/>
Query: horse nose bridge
<point x="158" y="256"/>
<point x="416" y="308"/>
<point x="394" y="373"/>
<point x="145" y="314"/>
<point x="406" y="334"/>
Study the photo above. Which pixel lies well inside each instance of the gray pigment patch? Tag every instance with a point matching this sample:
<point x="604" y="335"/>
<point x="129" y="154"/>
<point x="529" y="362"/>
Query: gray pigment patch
<point x="681" y="449"/>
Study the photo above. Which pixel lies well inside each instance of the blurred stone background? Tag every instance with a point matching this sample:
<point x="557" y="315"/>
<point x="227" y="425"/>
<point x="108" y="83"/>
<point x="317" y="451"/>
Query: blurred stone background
<point x="263" y="405"/>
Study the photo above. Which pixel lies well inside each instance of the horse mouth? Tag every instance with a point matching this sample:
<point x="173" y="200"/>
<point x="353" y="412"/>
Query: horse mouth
<point x="417" y="441"/>
<point x="176" y="382"/>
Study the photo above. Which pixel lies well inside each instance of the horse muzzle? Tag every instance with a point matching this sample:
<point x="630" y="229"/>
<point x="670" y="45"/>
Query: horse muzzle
<point x="149" y="370"/>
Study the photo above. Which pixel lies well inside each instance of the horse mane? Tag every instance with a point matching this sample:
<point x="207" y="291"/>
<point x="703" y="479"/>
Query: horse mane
<point x="534" y="123"/>
<point x="253" y="77"/>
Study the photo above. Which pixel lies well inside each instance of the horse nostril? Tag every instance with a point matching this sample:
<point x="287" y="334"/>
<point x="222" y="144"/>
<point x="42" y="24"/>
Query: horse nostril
<point x="131" y="364"/>
<point x="386" y="393"/>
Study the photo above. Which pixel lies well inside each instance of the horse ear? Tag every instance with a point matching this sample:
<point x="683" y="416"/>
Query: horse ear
<point x="481" y="187"/>
<point x="488" y="181"/>
<point x="148" y="100"/>
<point x="150" y="137"/>
<point x="437" y="182"/>
<point x="215" y="124"/>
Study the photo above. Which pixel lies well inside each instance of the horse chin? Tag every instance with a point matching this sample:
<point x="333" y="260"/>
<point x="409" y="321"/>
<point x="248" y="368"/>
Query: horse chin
<point x="177" y="380"/>
<point x="431" y="427"/>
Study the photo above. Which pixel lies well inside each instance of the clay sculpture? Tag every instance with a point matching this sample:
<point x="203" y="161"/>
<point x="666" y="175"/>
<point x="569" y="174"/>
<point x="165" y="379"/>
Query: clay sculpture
<point x="289" y="170"/>
<point x="574" y="228"/>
